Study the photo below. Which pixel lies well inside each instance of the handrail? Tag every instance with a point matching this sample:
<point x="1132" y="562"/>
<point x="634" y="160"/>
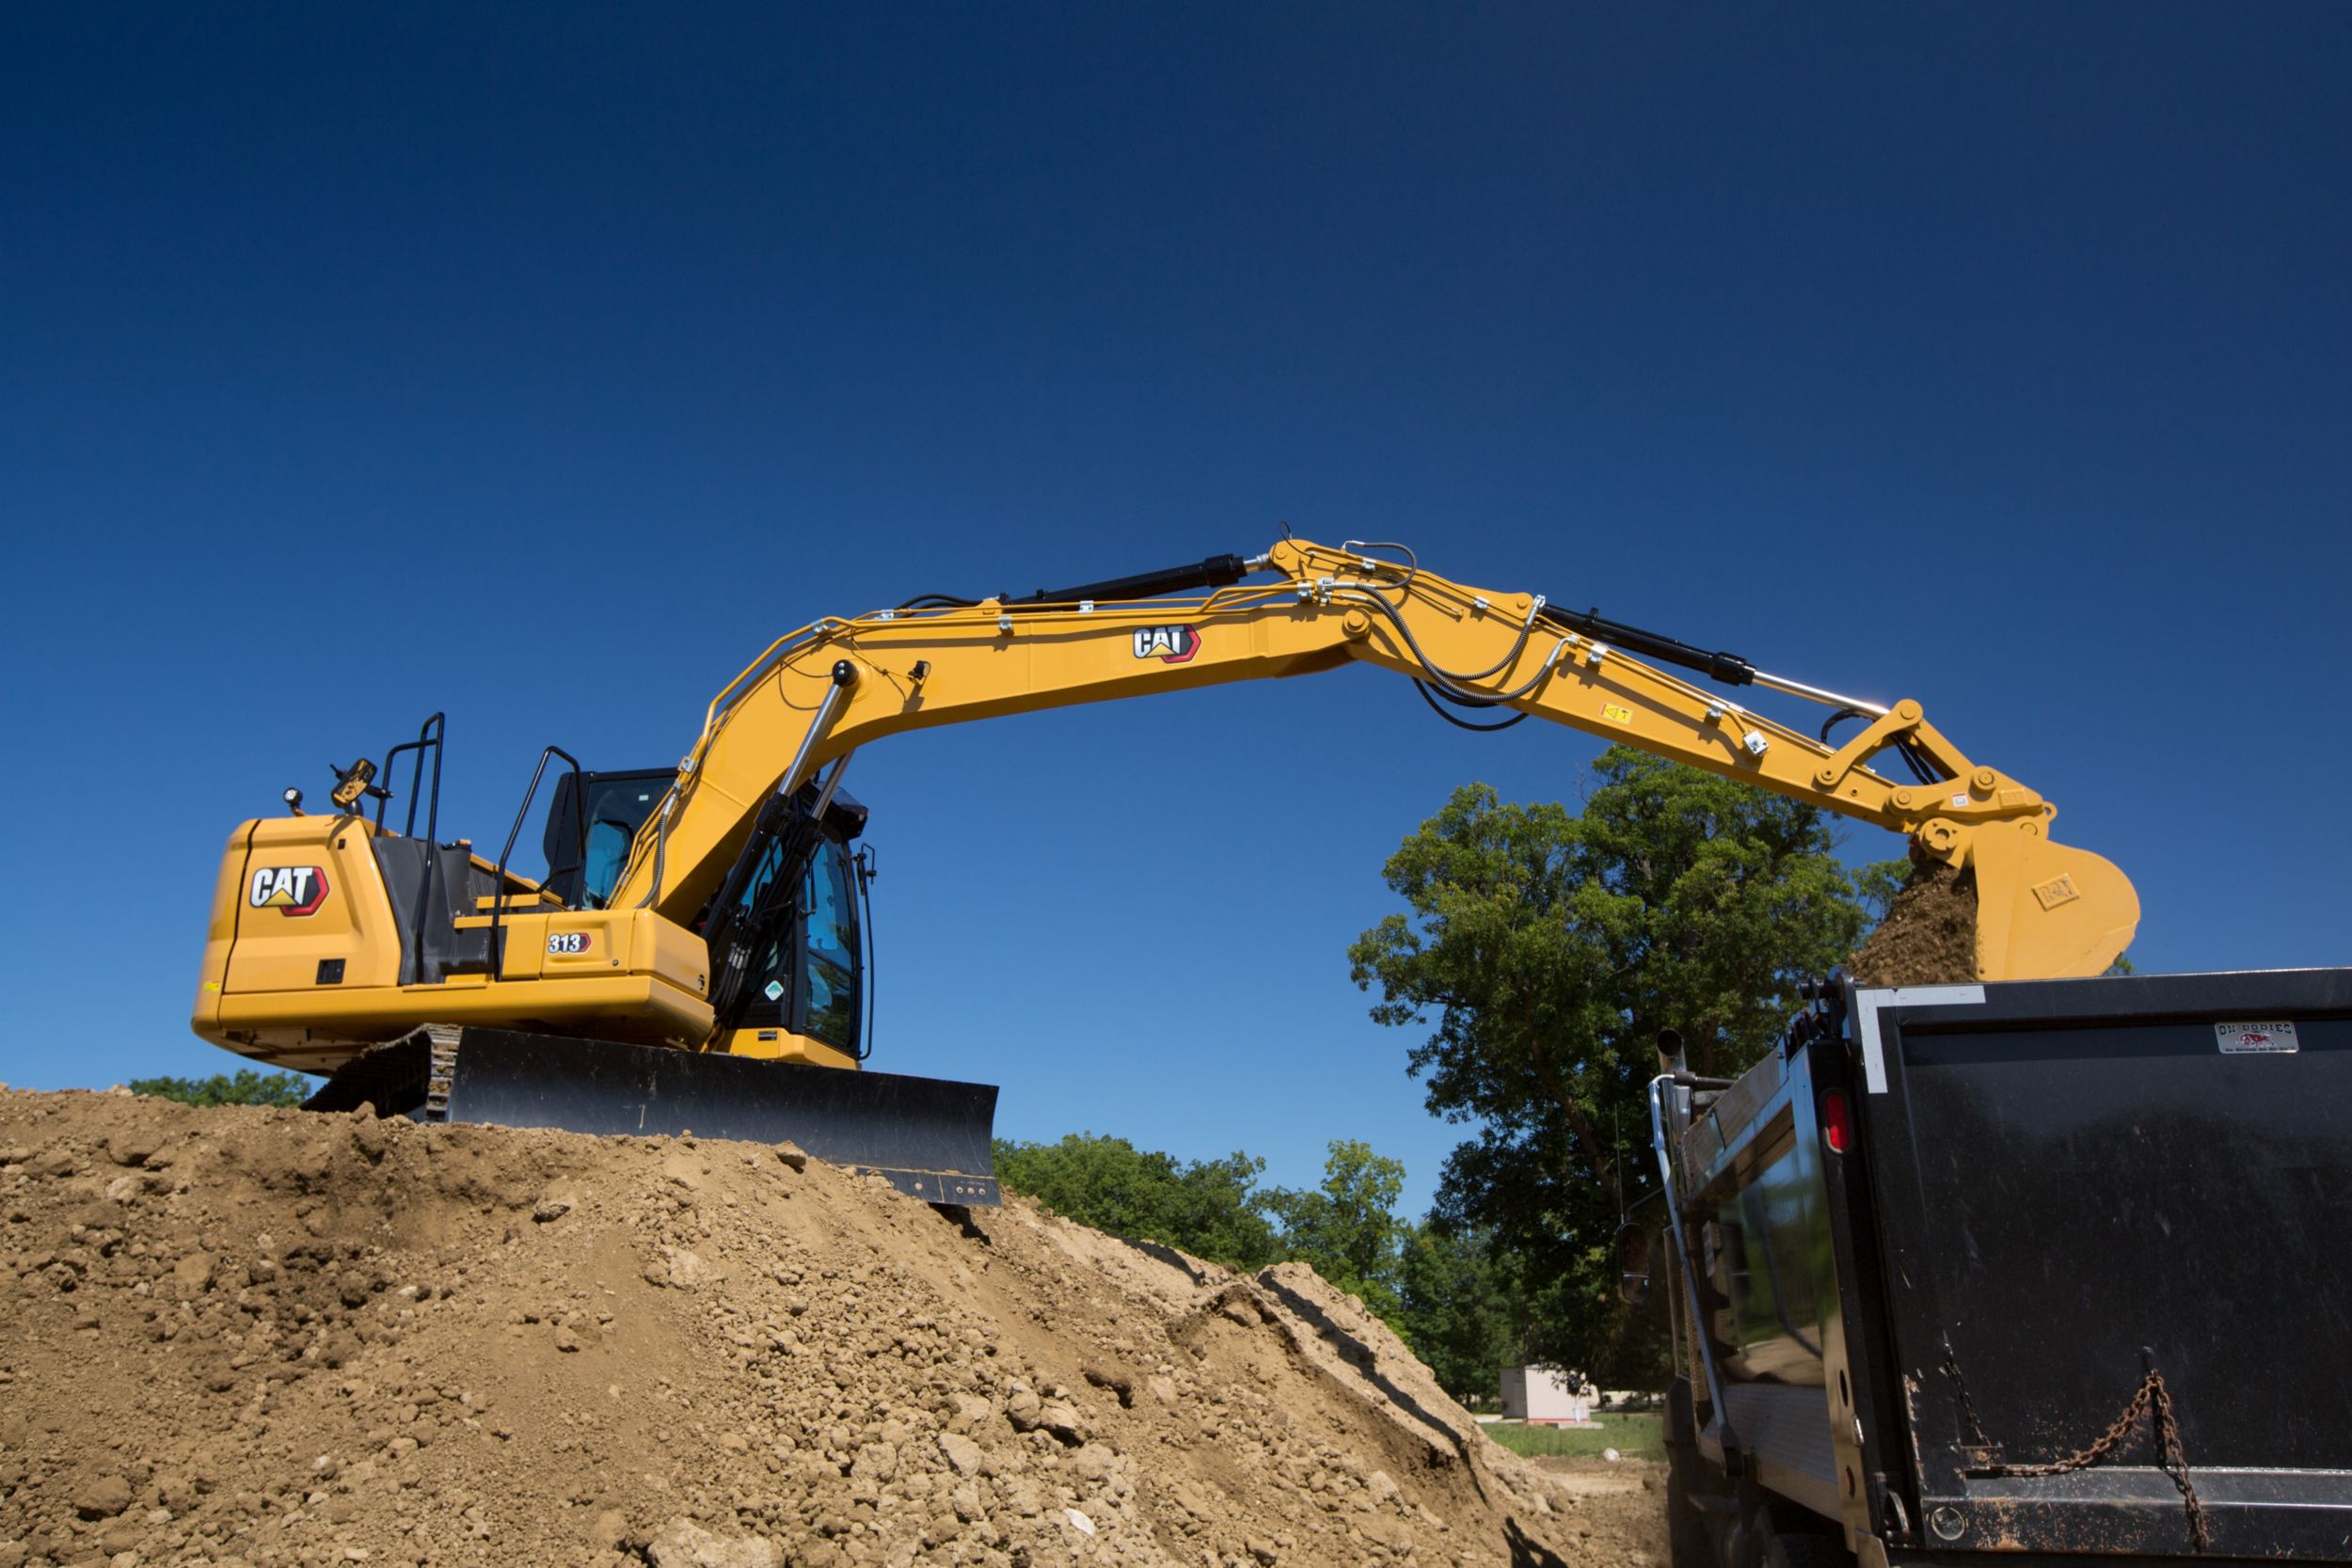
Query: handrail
<point x="428" y="734"/>
<point x="431" y="733"/>
<point x="496" y="956"/>
<point x="1733" y="1462"/>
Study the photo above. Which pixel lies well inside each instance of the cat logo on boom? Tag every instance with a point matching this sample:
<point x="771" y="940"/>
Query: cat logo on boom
<point x="288" y="889"/>
<point x="1168" y="645"/>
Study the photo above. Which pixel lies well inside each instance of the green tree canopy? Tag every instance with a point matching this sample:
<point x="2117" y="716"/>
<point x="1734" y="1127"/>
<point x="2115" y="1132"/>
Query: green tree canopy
<point x="1462" y="1308"/>
<point x="1543" y="950"/>
<point x="245" y="1087"/>
<point x="1210" y="1208"/>
<point x="1346" y="1230"/>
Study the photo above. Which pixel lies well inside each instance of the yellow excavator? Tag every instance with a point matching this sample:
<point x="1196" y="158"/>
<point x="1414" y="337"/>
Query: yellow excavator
<point x="693" y="958"/>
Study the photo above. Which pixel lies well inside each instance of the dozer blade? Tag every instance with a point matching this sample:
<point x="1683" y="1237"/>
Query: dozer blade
<point x="2045" y="912"/>
<point x="930" y="1137"/>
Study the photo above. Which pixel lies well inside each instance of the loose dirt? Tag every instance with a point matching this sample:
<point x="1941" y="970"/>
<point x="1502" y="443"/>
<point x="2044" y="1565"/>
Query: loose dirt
<point x="241" y="1335"/>
<point x="1929" y="936"/>
<point x="1627" y="1496"/>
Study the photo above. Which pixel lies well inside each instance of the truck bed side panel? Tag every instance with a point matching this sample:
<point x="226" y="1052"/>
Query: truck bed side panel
<point x="2080" y="1182"/>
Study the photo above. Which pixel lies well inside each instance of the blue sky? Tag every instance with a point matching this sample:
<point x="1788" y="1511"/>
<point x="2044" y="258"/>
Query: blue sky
<point x="541" y="364"/>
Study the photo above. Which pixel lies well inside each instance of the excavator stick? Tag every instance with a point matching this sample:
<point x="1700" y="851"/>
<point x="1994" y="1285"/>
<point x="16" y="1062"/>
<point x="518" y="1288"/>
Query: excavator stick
<point x="2046" y="911"/>
<point x="928" y="1137"/>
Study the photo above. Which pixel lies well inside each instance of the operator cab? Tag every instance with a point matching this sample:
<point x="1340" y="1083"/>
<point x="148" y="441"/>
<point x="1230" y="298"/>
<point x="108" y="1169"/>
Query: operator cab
<point x="806" y="987"/>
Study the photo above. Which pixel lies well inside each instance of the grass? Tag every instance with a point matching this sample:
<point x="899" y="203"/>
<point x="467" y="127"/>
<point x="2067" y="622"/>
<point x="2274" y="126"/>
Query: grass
<point x="1635" y="1435"/>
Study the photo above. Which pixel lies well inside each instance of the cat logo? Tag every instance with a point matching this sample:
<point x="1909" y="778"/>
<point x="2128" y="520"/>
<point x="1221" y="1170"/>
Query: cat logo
<point x="1168" y="645"/>
<point x="288" y="889"/>
<point x="2057" y="891"/>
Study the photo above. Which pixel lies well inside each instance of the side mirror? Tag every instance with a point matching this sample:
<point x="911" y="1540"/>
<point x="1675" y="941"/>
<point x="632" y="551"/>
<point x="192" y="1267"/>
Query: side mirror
<point x="1634" y="1264"/>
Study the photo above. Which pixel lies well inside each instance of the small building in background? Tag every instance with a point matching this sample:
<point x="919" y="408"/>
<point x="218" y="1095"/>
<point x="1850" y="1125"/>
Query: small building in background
<point x="1549" y="1396"/>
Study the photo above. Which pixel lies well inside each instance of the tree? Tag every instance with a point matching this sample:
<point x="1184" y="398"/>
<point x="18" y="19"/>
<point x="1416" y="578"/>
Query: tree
<point x="1544" y="952"/>
<point x="1209" y="1208"/>
<point x="1463" y="1308"/>
<point x="1877" y="884"/>
<point x="1347" y="1229"/>
<point x="247" y="1087"/>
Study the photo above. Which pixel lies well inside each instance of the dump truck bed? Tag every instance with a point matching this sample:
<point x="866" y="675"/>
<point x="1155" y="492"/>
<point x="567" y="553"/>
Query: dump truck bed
<point x="2088" y="1194"/>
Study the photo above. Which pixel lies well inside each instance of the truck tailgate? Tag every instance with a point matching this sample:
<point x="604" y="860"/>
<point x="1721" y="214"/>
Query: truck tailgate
<point x="2082" y="1183"/>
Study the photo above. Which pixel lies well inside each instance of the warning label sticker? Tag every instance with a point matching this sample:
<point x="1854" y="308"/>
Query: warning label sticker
<point x="2239" y="1038"/>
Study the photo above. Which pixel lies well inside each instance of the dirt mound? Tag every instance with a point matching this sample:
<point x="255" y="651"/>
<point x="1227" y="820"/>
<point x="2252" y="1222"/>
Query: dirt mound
<point x="262" y="1336"/>
<point x="1929" y="936"/>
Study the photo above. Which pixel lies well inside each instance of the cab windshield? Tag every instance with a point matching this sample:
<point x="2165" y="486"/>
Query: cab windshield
<point x="831" y="949"/>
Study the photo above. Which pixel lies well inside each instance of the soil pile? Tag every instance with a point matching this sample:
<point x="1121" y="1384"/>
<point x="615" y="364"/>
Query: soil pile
<point x="269" y="1338"/>
<point x="1929" y="936"/>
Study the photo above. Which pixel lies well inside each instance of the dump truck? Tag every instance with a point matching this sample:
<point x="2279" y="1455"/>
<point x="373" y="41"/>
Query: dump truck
<point x="2026" y="1272"/>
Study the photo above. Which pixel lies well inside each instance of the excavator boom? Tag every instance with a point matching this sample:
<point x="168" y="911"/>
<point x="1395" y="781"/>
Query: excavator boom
<point x="819" y="693"/>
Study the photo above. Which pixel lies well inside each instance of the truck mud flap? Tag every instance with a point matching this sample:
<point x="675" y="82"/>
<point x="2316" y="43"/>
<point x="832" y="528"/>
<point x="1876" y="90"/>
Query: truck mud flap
<point x="928" y="1137"/>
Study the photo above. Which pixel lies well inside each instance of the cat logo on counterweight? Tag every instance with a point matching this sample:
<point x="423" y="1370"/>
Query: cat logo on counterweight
<point x="288" y="889"/>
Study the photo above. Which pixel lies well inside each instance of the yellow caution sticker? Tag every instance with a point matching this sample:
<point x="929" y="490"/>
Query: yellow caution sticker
<point x="1616" y="714"/>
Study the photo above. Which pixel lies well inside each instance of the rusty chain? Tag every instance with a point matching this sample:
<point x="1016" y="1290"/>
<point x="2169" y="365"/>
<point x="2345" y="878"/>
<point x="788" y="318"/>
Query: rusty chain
<point x="2175" y="1462"/>
<point x="1967" y="1406"/>
<point x="2153" y="1404"/>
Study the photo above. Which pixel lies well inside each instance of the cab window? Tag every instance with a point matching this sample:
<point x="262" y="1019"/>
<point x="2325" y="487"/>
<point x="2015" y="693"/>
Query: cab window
<point x="830" y="912"/>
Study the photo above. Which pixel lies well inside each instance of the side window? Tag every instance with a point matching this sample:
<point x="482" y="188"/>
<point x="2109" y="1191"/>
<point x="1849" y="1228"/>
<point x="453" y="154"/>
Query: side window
<point x="587" y="841"/>
<point x="616" y="809"/>
<point x="608" y="851"/>
<point x="832" y="950"/>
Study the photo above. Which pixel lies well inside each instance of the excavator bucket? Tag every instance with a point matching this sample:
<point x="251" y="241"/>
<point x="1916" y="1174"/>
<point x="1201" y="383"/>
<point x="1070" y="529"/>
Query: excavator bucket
<point x="928" y="1137"/>
<point x="2045" y="912"/>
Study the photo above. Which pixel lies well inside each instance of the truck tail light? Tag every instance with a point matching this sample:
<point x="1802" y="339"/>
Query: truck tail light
<point x="1837" y="1122"/>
